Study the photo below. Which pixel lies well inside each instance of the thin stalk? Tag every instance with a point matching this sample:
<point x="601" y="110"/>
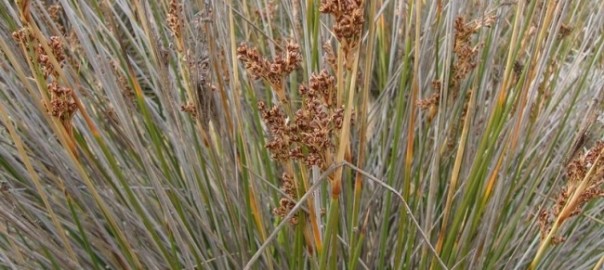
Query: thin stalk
<point x="254" y="207"/>
<point x="408" y="161"/>
<point x="358" y="186"/>
<point x="399" y="119"/>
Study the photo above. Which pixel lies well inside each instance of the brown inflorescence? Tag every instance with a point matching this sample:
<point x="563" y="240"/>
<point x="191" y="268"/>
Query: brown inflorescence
<point x="305" y="135"/>
<point x="330" y="56"/>
<point x="175" y="20"/>
<point x="308" y="137"/>
<point x="577" y="173"/>
<point x="427" y="103"/>
<point x="564" y="31"/>
<point x="274" y="72"/>
<point x="464" y="64"/>
<point x="189" y="108"/>
<point x="465" y="53"/>
<point x="54" y="12"/>
<point x="56" y="47"/>
<point x="286" y="204"/>
<point x="23" y="35"/>
<point x="62" y="103"/>
<point x="349" y="19"/>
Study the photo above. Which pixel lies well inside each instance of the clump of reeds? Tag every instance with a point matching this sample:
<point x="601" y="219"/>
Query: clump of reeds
<point x="286" y="142"/>
<point x="309" y="135"/>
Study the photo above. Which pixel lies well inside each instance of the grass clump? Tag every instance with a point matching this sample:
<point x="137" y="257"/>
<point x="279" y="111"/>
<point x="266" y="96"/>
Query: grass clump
<point x="301" y="134"/>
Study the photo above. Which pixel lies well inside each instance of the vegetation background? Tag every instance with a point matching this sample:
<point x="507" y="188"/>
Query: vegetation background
<point x="258" y="134"/>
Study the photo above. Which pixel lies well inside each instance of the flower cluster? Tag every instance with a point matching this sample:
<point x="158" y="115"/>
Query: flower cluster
<point x="54" y="11"/>
<point x="62" y="102"/>
<point x="466" y="53"/>
<point x="24" y="37"/>
<point x="308" y="137"/>
<point x="286" y="204"/>
<point x="189" y="108"/>
<point x="564" y="31"/>
<point x="274" y="71"/>
<point x="56" y="47"/>
<point x="175" y="20"/>
<point x="348" y="20"/>
<point x="62" y="99"/>
<point x="577" y="173"/>
<point x="348" y="25"/>
<point x="429" y="102"/>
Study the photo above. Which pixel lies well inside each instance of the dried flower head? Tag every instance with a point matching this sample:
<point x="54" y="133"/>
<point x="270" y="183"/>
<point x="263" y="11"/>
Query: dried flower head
<point x="254" y="63"/>
<point x="54" y="11"/>
<point x="23" y="35"/>
<point x="348" y="28"/>
<point x="428" y="102"/>
<point x="464" y="51"/>
<point x="564" y="31"/>
<point x="286" y="204"/>
<point x="330" y="56"/>
<point x="585" y="176"/>
<point x="56" y="48"/>
<point x="279" y="144"/>
<point x="175" y="20"/>
<point x="312" y="127"/>
<point x="348" y="16"/>
<point x="189" y="108"/>
<point x="62" y="103"/>
<point x="274" y="71"/>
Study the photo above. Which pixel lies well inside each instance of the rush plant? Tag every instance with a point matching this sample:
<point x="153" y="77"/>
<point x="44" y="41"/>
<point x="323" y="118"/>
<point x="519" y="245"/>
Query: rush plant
<point x="315" y="134"/>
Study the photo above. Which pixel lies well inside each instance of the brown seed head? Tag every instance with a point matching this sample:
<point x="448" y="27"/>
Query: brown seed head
<point x="175" y="18"/>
